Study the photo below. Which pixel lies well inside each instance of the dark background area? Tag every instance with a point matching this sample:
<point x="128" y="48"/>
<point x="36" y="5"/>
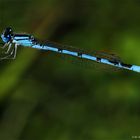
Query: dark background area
<point x="45" y="97"/>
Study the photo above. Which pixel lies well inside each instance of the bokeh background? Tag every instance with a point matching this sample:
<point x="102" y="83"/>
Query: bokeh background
<point x="46" y="97"/>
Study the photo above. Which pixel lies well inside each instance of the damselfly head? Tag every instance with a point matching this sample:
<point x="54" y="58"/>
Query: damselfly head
<point x="7" y="34"/>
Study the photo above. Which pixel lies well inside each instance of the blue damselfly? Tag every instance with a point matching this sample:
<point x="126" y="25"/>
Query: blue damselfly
<point x="9" y="38"/>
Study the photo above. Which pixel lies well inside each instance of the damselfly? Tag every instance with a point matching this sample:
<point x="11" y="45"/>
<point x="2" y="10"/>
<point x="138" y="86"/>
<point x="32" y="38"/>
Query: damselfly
<point x="26" y="40"/>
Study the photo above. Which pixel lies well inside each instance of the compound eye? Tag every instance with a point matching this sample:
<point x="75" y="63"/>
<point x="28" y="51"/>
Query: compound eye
<point x="7" y="32"/>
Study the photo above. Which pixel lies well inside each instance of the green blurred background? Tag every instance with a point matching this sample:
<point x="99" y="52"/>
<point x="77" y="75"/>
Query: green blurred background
<point x="43" y="97"/>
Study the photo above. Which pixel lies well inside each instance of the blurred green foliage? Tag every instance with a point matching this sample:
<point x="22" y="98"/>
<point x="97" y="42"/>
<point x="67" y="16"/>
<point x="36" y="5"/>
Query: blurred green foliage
<point x="43" y="97"/>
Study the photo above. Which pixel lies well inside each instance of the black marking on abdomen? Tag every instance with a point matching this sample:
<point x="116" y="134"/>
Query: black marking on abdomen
<point x="114" y="62"/>
<point x="79" y="54"/>
<point x="98" y="59"/>
<point x="126" y="65"/>
<point x="41" y="45"/>
<point x="60" y="50"/>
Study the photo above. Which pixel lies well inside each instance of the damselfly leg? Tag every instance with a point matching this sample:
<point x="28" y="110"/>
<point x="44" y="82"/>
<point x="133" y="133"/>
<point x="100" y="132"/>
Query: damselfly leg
<point x="9" y="48"/>
<point x="11" y="53"/>
<point x="5" y="45"/>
